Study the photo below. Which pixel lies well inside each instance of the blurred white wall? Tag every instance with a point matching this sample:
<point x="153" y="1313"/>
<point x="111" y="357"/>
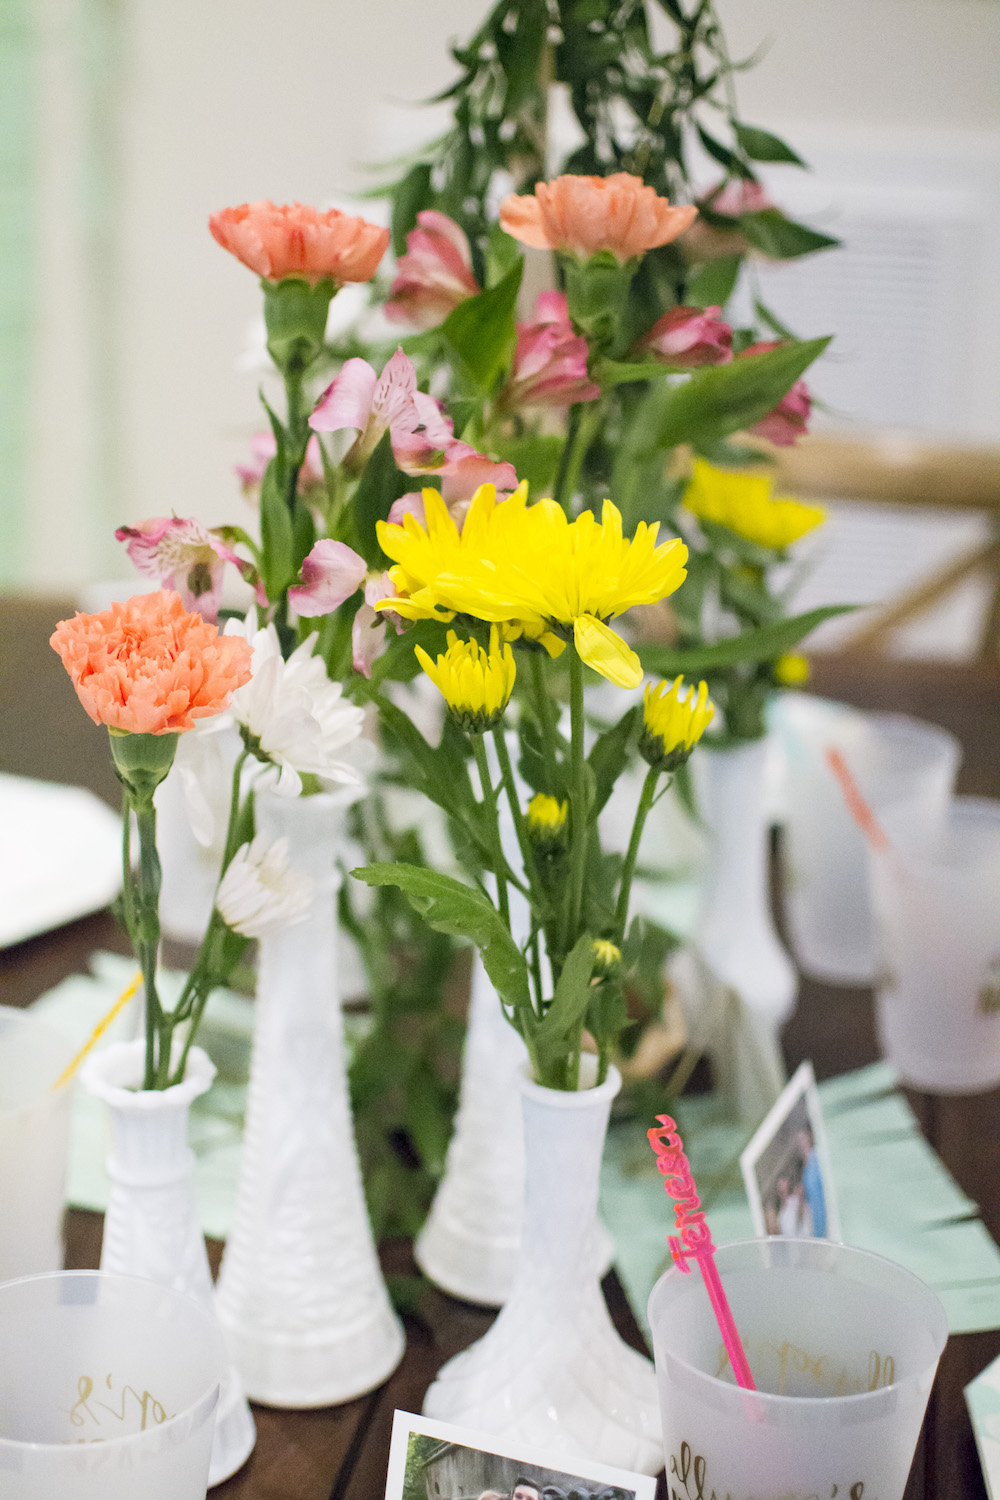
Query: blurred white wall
<point x="166" y="112"/>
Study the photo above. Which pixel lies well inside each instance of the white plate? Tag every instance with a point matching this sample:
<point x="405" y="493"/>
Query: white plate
<point x="60" y="856"/>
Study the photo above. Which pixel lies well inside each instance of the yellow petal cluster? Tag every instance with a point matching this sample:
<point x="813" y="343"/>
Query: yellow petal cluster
<point x="743" y="502"/>
<point x="673" y="724"/>
<point x="546" y="814"/>
<point x="531" y="569"/>
<point x="475" y="683"/>
<point x="607" y="958"/>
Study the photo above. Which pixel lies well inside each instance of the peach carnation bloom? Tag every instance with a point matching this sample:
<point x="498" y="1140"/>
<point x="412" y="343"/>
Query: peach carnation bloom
<point x="585" y="215"/>
<point x="149" y="667"/>
<point x="296" y="240"/>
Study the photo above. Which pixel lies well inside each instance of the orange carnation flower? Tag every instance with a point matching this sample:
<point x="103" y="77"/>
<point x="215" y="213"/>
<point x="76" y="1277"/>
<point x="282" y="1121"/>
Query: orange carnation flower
<point x="585" y="215"/>
<point x="149" y="667"/>
<point x="296" y="240"/>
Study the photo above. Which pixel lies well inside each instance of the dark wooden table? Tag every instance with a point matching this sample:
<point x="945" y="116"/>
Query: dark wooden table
<point x="340" y="1453"/>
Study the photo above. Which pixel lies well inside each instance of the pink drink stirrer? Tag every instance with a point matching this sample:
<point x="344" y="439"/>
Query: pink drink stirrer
<point x="694" y="1238"/>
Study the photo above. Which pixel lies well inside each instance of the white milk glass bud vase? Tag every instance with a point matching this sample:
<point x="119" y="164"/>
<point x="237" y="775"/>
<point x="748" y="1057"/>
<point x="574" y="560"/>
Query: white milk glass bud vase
<point x="151" y="1227"/>
<point x="552" y="1372"/>
<point x="735" y="930"/>
<point x="300" y="1293"/>
<point x="469" y="1244"/>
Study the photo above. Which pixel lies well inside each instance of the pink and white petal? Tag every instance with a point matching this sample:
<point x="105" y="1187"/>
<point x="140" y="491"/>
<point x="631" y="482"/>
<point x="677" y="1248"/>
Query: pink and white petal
<point x="551" y="307"/>
<point x="330" y="574"/>
<point x="367" y="639"/>
<point x="465" y="471"/>
<point x="392" y="401"/>
<point x="347" y="400"/>
<point x="407" y="505"/>
<point x="435" y="421"/>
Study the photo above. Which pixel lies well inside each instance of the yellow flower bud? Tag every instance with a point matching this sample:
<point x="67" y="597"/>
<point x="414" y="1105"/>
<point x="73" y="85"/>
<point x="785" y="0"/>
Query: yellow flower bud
<point x="672" y="724"/>
<point x="743" y="503"/>
<point x="475" y="683"/>
<point x="547" y="823"/>
<point x="607" y="958"/>
<point x="791" y="669"/>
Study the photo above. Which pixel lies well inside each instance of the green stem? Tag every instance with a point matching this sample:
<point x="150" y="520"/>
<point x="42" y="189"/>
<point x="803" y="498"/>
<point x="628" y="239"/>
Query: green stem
<point x="490" y="802"/>
<point x="546" y="718"/>
<point x="205" y="974"/>
<point x="646" y="798"/>
<point x="565" y="458"/>
<point x="578" y="804"/>
<point x="147" y="941"/>
<point x="536" y="889"/>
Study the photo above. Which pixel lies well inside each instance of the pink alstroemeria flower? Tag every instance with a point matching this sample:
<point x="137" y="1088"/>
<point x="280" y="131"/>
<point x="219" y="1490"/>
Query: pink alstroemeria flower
<point x="331" y="573"/>
<point x="370" y="404"/>
<point x="434" y="275"/>
<point x="461" y="477"/>
<point x="185" y="556"/>
<point x="263" y="447"/>
<point x="369" y="629"/>
<point x="690" y="337"/>
<point x="789" y="420"/>
<point x="704" y="241"/>
<point x="550" y="360"/>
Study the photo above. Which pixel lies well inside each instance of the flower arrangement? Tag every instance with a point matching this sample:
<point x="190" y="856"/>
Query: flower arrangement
<point x="150" y="671"/>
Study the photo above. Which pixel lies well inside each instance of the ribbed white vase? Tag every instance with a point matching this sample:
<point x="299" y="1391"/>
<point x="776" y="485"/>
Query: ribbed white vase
<point x="151" y="1227"/>
<point x="470" y="1241"/>
<point x="735" y="932"/>
<point x="552" y="1372"/>
<point x="300" y="1293"/>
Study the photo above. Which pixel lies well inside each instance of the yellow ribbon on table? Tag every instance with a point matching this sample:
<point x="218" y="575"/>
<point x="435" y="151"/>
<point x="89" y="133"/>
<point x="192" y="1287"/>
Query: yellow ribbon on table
<point x="98" y="1031"/>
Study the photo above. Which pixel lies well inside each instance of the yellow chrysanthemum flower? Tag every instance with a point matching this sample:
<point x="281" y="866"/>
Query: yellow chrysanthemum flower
<point x="607" y="958"/>
<point x="547" y="823"/>
<point x="672" y="724"/>
<point x="743" y="502"/>
<point x="530" y="568"/>
<point x="791" y="669"/>
<point x="476" y="684"/>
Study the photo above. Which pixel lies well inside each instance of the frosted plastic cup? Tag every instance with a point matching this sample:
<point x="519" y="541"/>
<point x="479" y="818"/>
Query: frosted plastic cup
<point x="938" y="919"/>
<point x="897" y="762"/>
<point x="843" y="1347"/>
<point x="108" y="1389"/>
<point x="34" y="1143"/>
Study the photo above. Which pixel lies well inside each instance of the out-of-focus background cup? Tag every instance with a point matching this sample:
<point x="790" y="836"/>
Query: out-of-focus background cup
<point x="898" y="763"/>
<point x="938" y="918"/>
<point x="843" y="1346"/>
<point x="34" y="1143"/>
<point x="108" y="1389"/>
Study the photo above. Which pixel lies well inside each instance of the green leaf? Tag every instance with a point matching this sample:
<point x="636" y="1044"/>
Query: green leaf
<point x="610" y="753"/>
<point x="569" y="1003"/>
<point x="761" y="145"/>
<point x="411" y="194"/>
<point x="277" y="542"/>
<point x="502" y="254"/>
<point x="535" y="459"/>
<point x="720" y="399"/>
<point x="765" y="644"/>
<point x="722" y="154"/>
<point x="480" y="330"/>
<point x="712" y="284"/>
<point x="519" y="52"/>
<point x="611" y="372"/>
<point x="449" y="906"/>
<point x="782" y="239"/>
<point x="380" y="484"/>
<point x="439" y="771"/>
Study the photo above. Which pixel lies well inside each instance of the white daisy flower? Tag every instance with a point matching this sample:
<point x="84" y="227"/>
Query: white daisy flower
<point x="291" y="716"/>
<point x="260" y="893"/>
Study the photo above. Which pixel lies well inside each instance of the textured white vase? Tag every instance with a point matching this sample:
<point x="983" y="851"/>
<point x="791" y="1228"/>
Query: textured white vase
<point x="735" y="933"/>
<point x="470" y="1241"/>
<point x="300" y="1294"/>
<point x="552" y="1371"/>
<point x="151" y="1227"/>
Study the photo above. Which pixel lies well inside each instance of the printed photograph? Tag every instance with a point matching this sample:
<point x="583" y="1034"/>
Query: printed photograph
<point x="435" y="1461"/>
<point x="786" y="1167"/>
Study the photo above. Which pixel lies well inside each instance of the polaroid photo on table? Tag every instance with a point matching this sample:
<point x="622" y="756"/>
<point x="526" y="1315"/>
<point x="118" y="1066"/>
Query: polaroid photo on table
<point x="445" y="1462"/>
<point x="786" y="1166"/>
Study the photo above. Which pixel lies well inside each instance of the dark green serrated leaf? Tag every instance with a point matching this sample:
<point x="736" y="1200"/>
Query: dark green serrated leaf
<point x="721" y="399"/>
<point x="783" y="239"/>
<point x="610" y="753"/>
<point x="569" y="1002"/>
<point x="761" y="145"/>
<point x="449" y="906"/>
